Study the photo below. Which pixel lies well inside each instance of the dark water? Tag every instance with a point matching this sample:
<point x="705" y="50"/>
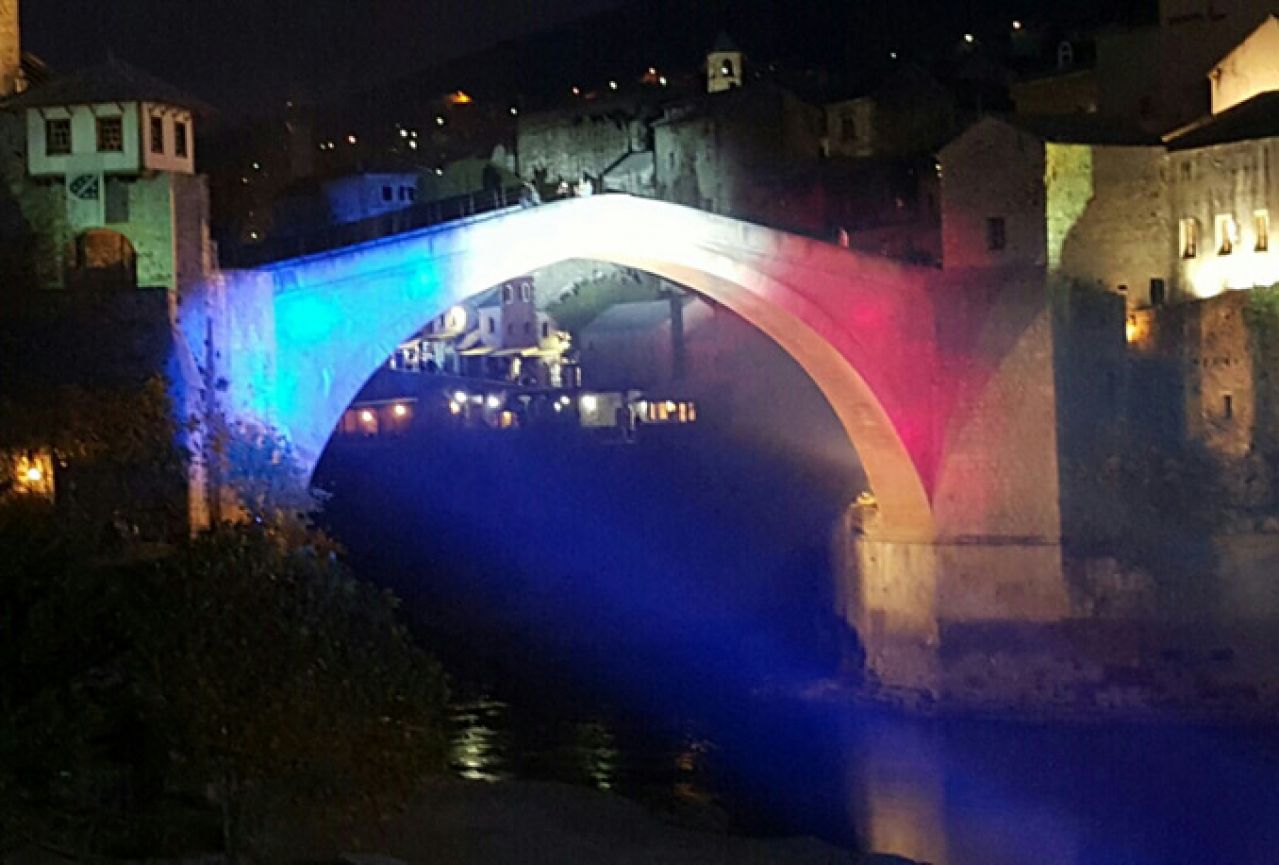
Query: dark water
<point x="652" y="620"/>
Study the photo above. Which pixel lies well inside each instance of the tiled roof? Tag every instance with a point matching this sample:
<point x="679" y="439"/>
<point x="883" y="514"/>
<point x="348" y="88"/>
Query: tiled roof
<point x="113" y="81"/>
<point x="1256" y="118"/>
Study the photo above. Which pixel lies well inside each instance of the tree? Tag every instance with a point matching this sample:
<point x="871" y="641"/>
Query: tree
<point x="260" y="674"/>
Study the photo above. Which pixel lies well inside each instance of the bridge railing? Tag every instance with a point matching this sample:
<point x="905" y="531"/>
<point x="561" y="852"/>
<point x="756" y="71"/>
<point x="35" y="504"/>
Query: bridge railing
<point x="410" y="218"/>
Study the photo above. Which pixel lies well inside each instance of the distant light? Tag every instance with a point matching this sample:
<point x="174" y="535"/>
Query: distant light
<point x="253" y="235"/>
<point x="244" y="180"/>
<point x="439" y="172"/>
<point x="477" y="399"/>
<point x="670" y="405"/>
<point x="494" y="401"/>
<point x="439" y="120"/>
<point x="514" y="111"/>
<point x="367" y="416"/>
<point x="590" y="403"/>
<point x="460" y="97"/>
<point x="33" y="475"/>
<point x="662" y="80"/>
<point x="612" y="85"/>
<point x="969" y="38"/>
<point x="412" y="145"/>
<point x="652" y="70"/>
<point x="400" y="410"/>
<point x="257" y="166"/>
<point x="892" y="55"/>
<point x="1016" y="25"/>
<point x="404" y="133"/>
<point x="455" y="408"/>
<point x="351" y="139"/>
<point x="460" y="396"/>
<point x="559" y="407"/>
<point x="577" y="91"/>
<point x="413" y="132"/>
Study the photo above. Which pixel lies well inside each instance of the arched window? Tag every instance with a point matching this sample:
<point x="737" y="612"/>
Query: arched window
<point x="102" y="259"/>
<point x="1065" y="55"/>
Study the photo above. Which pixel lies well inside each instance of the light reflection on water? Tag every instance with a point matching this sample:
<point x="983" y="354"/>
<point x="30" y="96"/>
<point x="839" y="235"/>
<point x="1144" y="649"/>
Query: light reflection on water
<point x="480" y="747"/>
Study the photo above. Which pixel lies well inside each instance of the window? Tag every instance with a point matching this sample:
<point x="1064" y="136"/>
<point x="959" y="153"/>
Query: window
<point x="181" y="141"/>
<point x="57" y="137"/>
<point x="726" y="69"/>
<point x="510" y="330"/>
<point x="1065" y="55"/>
<point x="507" y="295"/>
<point x="1158" y="292"/>
<point x="1227" y="233"/>
<point x="1189" y="237"/>
<point x="996" y="236"/>
<point x="1228" y="406"/>
<point x="847" y="126"/>
<point x="157" y="135"/>
<point x="526" y="291"/>
<point x="492" y="325"/>
<point x="528" y="328"/>
<point x="116" y="201"/>
<point x="387" y="193"/>
<point x="110" y="134"/>
<point x="1261" y="230"/>
<point x="408" y="193"/>
<point x="546" y="330"/>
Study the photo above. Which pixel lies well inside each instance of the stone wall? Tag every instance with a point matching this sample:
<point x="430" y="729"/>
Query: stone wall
<point x="566" y="146"/>
<point x="993" y="171"/>
<point x="1233" y="180"/>
<point x="1107" y="217"/>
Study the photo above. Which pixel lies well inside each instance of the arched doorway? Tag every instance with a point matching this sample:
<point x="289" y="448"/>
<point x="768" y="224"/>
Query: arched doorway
<point x="101" y="259"/>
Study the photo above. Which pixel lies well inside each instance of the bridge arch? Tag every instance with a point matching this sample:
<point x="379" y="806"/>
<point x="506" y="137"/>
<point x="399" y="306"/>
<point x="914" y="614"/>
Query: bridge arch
<point x="309" y="332"/>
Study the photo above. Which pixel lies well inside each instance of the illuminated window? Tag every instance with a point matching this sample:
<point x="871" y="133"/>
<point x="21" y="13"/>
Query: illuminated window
<point x="181" y="141"/>
<point x="57" y="137"/>
<point x="157" y="135"/>
<point x="1189" y="237"/>
<point x="1261" y="230"/>
<point x="110" y="134"/>
<point x="996" y="235"/>
<point x="1227" y="233"/>
<point x="727" y="68"/>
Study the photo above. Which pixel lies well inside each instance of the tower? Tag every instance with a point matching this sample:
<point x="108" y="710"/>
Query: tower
<point x="10" y="49"/>
<point x="723" y="65"/>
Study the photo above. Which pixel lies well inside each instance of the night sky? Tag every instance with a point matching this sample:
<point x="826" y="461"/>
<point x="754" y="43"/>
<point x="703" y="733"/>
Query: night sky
<point x="251" y="53"/>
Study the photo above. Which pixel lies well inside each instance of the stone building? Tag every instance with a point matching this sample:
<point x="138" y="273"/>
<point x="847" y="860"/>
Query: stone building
<point x="1157" y="73"/>
<point x="105" y="178"/>
<point x="1079" y="197"/>
<point x="906" y="114"/>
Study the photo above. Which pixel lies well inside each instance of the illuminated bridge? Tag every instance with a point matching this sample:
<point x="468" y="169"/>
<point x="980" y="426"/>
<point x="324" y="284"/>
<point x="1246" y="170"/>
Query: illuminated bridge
<point x="945" y="389"/>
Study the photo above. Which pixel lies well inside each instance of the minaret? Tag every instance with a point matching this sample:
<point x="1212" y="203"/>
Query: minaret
<point x="10" y="49"/>
<point x="723" y="65"/>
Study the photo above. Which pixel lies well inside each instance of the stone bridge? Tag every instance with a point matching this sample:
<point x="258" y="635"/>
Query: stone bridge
<point x="946" y="390"/>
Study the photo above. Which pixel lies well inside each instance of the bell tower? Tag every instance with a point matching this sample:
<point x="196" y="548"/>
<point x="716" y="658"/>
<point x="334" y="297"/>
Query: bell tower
<point x="723" y="65"/>
<point x="10" y="49"/>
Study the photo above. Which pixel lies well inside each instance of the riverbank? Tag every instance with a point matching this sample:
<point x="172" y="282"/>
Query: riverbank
<point x="524" y="823"/>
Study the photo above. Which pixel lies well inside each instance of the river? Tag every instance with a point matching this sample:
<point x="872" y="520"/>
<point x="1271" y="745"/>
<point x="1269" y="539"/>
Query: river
<point x="652" y="620"/>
